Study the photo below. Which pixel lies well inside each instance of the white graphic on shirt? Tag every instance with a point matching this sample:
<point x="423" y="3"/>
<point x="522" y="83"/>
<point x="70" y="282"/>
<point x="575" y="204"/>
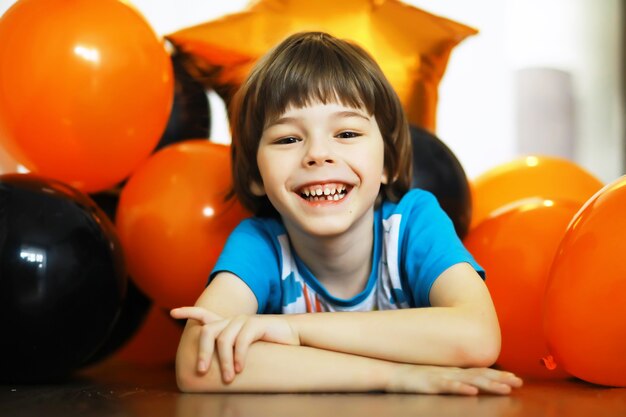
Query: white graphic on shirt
<point x="387" y="293"/>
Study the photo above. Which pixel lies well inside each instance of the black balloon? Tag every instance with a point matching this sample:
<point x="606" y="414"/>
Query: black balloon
<point x="190" y="117"/>
<point x="62" y="278"/>
<point x="132" y="315"/>
<point x="436" y="169"/>
<point x="136" y="304"/>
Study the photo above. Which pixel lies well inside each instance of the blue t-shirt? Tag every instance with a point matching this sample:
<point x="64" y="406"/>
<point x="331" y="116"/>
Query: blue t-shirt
<point x="414" y="242"/>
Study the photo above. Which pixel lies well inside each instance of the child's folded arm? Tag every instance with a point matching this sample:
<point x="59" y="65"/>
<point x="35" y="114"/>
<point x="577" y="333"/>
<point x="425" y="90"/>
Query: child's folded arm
<point x="280" y="368"/>
<point x="275" y="367"/>
<point x="270" y="367"/>
<point x="461" y="329"/>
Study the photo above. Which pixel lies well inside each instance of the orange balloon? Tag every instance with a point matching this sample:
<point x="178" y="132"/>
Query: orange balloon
<point x="516" y="248"/>
<point x="411" y="46"/>
<point x="585" y="301"/>
<point x="173" y="220"/>
<point x="531" y="176"/>
<point x="8" y="165"/>
<point x="85" y="89"/>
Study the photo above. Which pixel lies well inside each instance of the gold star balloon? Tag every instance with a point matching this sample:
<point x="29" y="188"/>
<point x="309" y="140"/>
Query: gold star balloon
<point x="411" y="46"/>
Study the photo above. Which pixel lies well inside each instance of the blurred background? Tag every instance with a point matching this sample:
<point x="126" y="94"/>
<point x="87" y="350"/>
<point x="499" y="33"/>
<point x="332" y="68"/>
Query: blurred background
<point x="541" y="77"/>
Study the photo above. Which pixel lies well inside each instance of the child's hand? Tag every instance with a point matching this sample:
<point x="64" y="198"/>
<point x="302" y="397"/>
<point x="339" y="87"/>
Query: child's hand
<point x="450" y="380"/>
<point x="234" y="334"/>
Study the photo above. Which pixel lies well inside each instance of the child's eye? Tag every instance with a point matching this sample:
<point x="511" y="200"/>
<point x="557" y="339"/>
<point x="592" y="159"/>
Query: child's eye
<point x="348" y="135"/>
<point x="286" y="140"/>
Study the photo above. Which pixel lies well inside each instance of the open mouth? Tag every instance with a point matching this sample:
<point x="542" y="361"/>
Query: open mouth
<point x="324" y="192"/>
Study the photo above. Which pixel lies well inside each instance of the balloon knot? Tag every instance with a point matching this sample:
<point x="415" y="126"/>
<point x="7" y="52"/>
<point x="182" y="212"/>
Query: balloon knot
<point x="549" y="362"/>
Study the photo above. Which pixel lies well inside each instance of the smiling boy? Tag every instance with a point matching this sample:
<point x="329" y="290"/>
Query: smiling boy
<point x="321" y="155"/>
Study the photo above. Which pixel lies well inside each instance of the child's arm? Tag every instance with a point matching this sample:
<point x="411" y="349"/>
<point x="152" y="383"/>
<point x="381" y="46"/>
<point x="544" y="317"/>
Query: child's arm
<point x="461" y="329"/>
<point x="273" y="367"/>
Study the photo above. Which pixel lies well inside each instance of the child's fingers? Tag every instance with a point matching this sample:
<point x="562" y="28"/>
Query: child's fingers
<point x="451" y="386"/>
<point x="451" y="380"/>
<point x="225" y="345"/>
<point x="178" y="313"/>
<point x="206" y="344"/>
<point x="491" y="380"/>
<point x="488" y="385"/>
<point x="510" y="379"/>
<point x="248" y="334"/>
<point x="501" y="377"/>
<point x="200" y="314"/>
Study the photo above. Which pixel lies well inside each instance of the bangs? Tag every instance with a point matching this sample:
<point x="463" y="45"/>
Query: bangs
<point x="305" y="69"/>
<point x="313" y="73"/>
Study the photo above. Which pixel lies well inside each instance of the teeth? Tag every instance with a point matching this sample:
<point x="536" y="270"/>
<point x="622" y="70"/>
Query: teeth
<point x="331" y="192"/>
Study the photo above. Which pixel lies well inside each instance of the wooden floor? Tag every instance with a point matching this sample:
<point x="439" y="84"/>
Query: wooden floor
<point x="115" y="389"/>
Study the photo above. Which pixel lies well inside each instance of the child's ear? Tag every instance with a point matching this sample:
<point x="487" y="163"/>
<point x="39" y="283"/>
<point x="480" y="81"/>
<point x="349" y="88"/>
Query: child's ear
<point x="257" y="189"/>
<point x="384" y="179"/>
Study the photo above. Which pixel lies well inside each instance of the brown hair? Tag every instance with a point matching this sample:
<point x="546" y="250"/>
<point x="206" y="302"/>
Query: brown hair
<point x="305" y="68"/>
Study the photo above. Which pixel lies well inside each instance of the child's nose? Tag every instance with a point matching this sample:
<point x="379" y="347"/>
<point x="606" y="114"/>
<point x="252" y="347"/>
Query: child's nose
<point x="319" y="152"/>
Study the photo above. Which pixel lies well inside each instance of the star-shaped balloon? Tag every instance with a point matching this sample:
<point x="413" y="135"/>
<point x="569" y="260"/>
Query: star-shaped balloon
<point x="411" y="46"/>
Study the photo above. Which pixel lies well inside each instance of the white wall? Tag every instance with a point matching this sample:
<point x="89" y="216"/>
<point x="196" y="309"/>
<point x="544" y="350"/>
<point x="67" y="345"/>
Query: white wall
<point x="476" y="115"/>
<point x="477" y="104"/>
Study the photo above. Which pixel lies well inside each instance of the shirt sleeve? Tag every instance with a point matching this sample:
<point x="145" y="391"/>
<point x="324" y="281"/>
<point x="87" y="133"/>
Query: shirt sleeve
<point x="431" y="245"/>
<point x="251" y="254"/>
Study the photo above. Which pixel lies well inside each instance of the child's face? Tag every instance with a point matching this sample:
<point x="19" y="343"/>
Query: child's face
<point x="326" y="149"/>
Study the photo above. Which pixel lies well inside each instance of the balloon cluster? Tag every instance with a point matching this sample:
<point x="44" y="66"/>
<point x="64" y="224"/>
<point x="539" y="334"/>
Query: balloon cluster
<point x="549" y="237"/>
<point x="87" y="94"/>
<point x="95" y="108"/>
